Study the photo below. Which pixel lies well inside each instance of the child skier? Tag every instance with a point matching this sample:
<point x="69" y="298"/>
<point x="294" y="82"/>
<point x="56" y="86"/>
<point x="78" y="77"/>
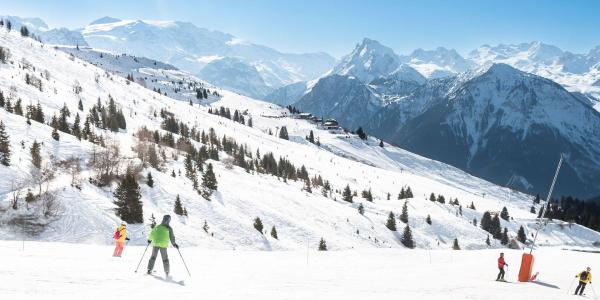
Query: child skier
<point x="120" y="237"/>
<point x="160" y="237"/>
<point x="501" y="264"/>
<point x="585" y="277"/>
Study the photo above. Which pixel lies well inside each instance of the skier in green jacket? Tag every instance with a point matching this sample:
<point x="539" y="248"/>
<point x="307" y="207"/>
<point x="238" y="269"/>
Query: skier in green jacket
<point x="159" y="237"/>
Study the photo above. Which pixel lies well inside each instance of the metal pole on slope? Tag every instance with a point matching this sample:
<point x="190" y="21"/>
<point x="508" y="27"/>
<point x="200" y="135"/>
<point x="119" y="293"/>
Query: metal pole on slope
<point x="183" y="260"/>
<point x="138" y="266"/>
<point x="544" y="208"/>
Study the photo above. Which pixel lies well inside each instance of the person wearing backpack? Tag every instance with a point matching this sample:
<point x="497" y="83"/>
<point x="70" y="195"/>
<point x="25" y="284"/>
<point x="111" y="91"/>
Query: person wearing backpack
<point x="501" y="264"/>
<point x="120" y="236"/>
<point x="160" y="237"/>
<point x="585" y="277"/>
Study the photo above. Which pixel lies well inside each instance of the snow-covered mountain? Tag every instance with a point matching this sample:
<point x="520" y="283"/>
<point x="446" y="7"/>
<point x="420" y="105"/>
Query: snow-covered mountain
<point x="344" y="98"/>
<point x="575" y="72"/>
<point x="437" y="63"/>
<point x="368" y="60"/>
<point x="57" y="36"/>
<point x="233" y="74"/>
<point x="501" y="124"/>
<point x="76" y="207"/>
<point x="513" y="116"/>
<point x="192" y="48"/>
<point x="369" y="66"/>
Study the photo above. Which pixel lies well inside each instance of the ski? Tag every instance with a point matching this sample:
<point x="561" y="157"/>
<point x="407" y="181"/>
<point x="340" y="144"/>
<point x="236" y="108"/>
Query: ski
<point x="168" y="279"/>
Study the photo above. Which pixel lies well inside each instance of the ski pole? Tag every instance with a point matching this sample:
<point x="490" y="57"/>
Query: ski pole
<point x="138" y="266"/>
<point x="184" y="264"/>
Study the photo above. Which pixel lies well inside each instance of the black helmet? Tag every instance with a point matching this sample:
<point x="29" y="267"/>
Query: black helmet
<point x="166" y="219"/>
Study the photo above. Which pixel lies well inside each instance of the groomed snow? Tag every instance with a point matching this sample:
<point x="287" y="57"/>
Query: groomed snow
<point x="35" y="270"/>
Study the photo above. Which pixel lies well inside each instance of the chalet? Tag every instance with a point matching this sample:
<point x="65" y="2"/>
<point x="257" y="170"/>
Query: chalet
<point x="331" y="124"/>
<point x="304" y="116"/>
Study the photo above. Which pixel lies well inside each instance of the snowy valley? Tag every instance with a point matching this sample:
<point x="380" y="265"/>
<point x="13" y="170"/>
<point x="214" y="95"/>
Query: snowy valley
<point x="267" y="202"/>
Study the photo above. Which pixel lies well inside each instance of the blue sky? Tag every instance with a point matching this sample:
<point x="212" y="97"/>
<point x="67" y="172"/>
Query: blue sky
<point x="335" y="26"/>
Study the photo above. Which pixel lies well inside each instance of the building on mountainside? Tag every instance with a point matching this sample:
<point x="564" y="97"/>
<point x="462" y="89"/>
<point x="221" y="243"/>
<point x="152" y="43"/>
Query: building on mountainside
<point x="305" y="116"/>
<point x="331" y="124"/>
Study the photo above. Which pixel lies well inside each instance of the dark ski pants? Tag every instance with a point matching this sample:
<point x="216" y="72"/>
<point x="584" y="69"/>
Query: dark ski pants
<point x="580" y="288"/>
<point x="165" y="259"/>
<point x="500" y="274"/>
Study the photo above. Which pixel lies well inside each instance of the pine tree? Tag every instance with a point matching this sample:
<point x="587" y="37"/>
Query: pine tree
<point x="366" y="194"/>
<point x="4" y="146"/>
<point x="347" y="194"/>
<point x="428" y="220"/>
<point x="521" y="236"/>
<point x="283" y="133"/>
<point x="62" y="119"/>
<point x="537" y="199"/>
<point x="475" y="222"/>
<point x="487" y="240"/>
<point x="407" y="239"/>
<point x="80" y="105"/>
<point x="36" y="158"/>
<point x="391" y="222"/>
<point x="456" y="246"/>
<point x="404" y="214"/>
<point x="322" y="245"/>
<point x="178" y="208"/>
<point x="381" y="143"/>
<point x="209" y="182"/>
<point x="18" y="109"/>
<point x="55" y="134"/>
<point x="361" y="133"/>
<point x="496" y="229"/>
<point x="486" y="221"/>
<point x="76" y="129"/>
<point x="274" y="232"/>
<point x="472" y="206"/>
<point x="504" y="239"/>
<point x="504" y="214"/>
<point x="441" y="199"/>
<point x="127" y="194"/>
<point x="311" y="137"/>
<point x="29" y="197"/>
<point x="258" y="225"/>
<point x="432" y="197"/>
<point x="361" y="209"/>
<point x="2" y="100"/>
<point x="149" y="180"/>
<point x="532" y="210"/>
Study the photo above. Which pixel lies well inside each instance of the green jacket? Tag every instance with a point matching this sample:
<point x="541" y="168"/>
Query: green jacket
<point x="160" y="236"/>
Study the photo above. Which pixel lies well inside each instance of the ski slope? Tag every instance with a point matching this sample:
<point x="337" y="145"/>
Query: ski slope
<point x="87" y="215"/>
<point x="46" y="270"/>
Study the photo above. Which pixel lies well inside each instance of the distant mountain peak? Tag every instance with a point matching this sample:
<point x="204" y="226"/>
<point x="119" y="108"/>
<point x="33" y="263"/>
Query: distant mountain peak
<point x="105" y="20"/>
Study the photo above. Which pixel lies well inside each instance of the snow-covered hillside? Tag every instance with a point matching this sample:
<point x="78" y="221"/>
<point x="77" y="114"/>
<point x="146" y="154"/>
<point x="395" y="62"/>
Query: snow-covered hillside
<point x="57" y="36"/>
<point x="191" y="48"/>
<point x="84" y="212"/>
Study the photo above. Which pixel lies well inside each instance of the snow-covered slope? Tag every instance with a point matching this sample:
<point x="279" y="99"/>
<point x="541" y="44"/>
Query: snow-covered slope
<point x="149" y="73"/>
<point x="191" y="48"/>
<point x="86" y="214"/>
<point x="57" y="36"/>
<point x="46" y="271"/>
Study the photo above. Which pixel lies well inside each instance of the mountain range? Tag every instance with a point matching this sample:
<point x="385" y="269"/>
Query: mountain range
<point x="492" y="119"/>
